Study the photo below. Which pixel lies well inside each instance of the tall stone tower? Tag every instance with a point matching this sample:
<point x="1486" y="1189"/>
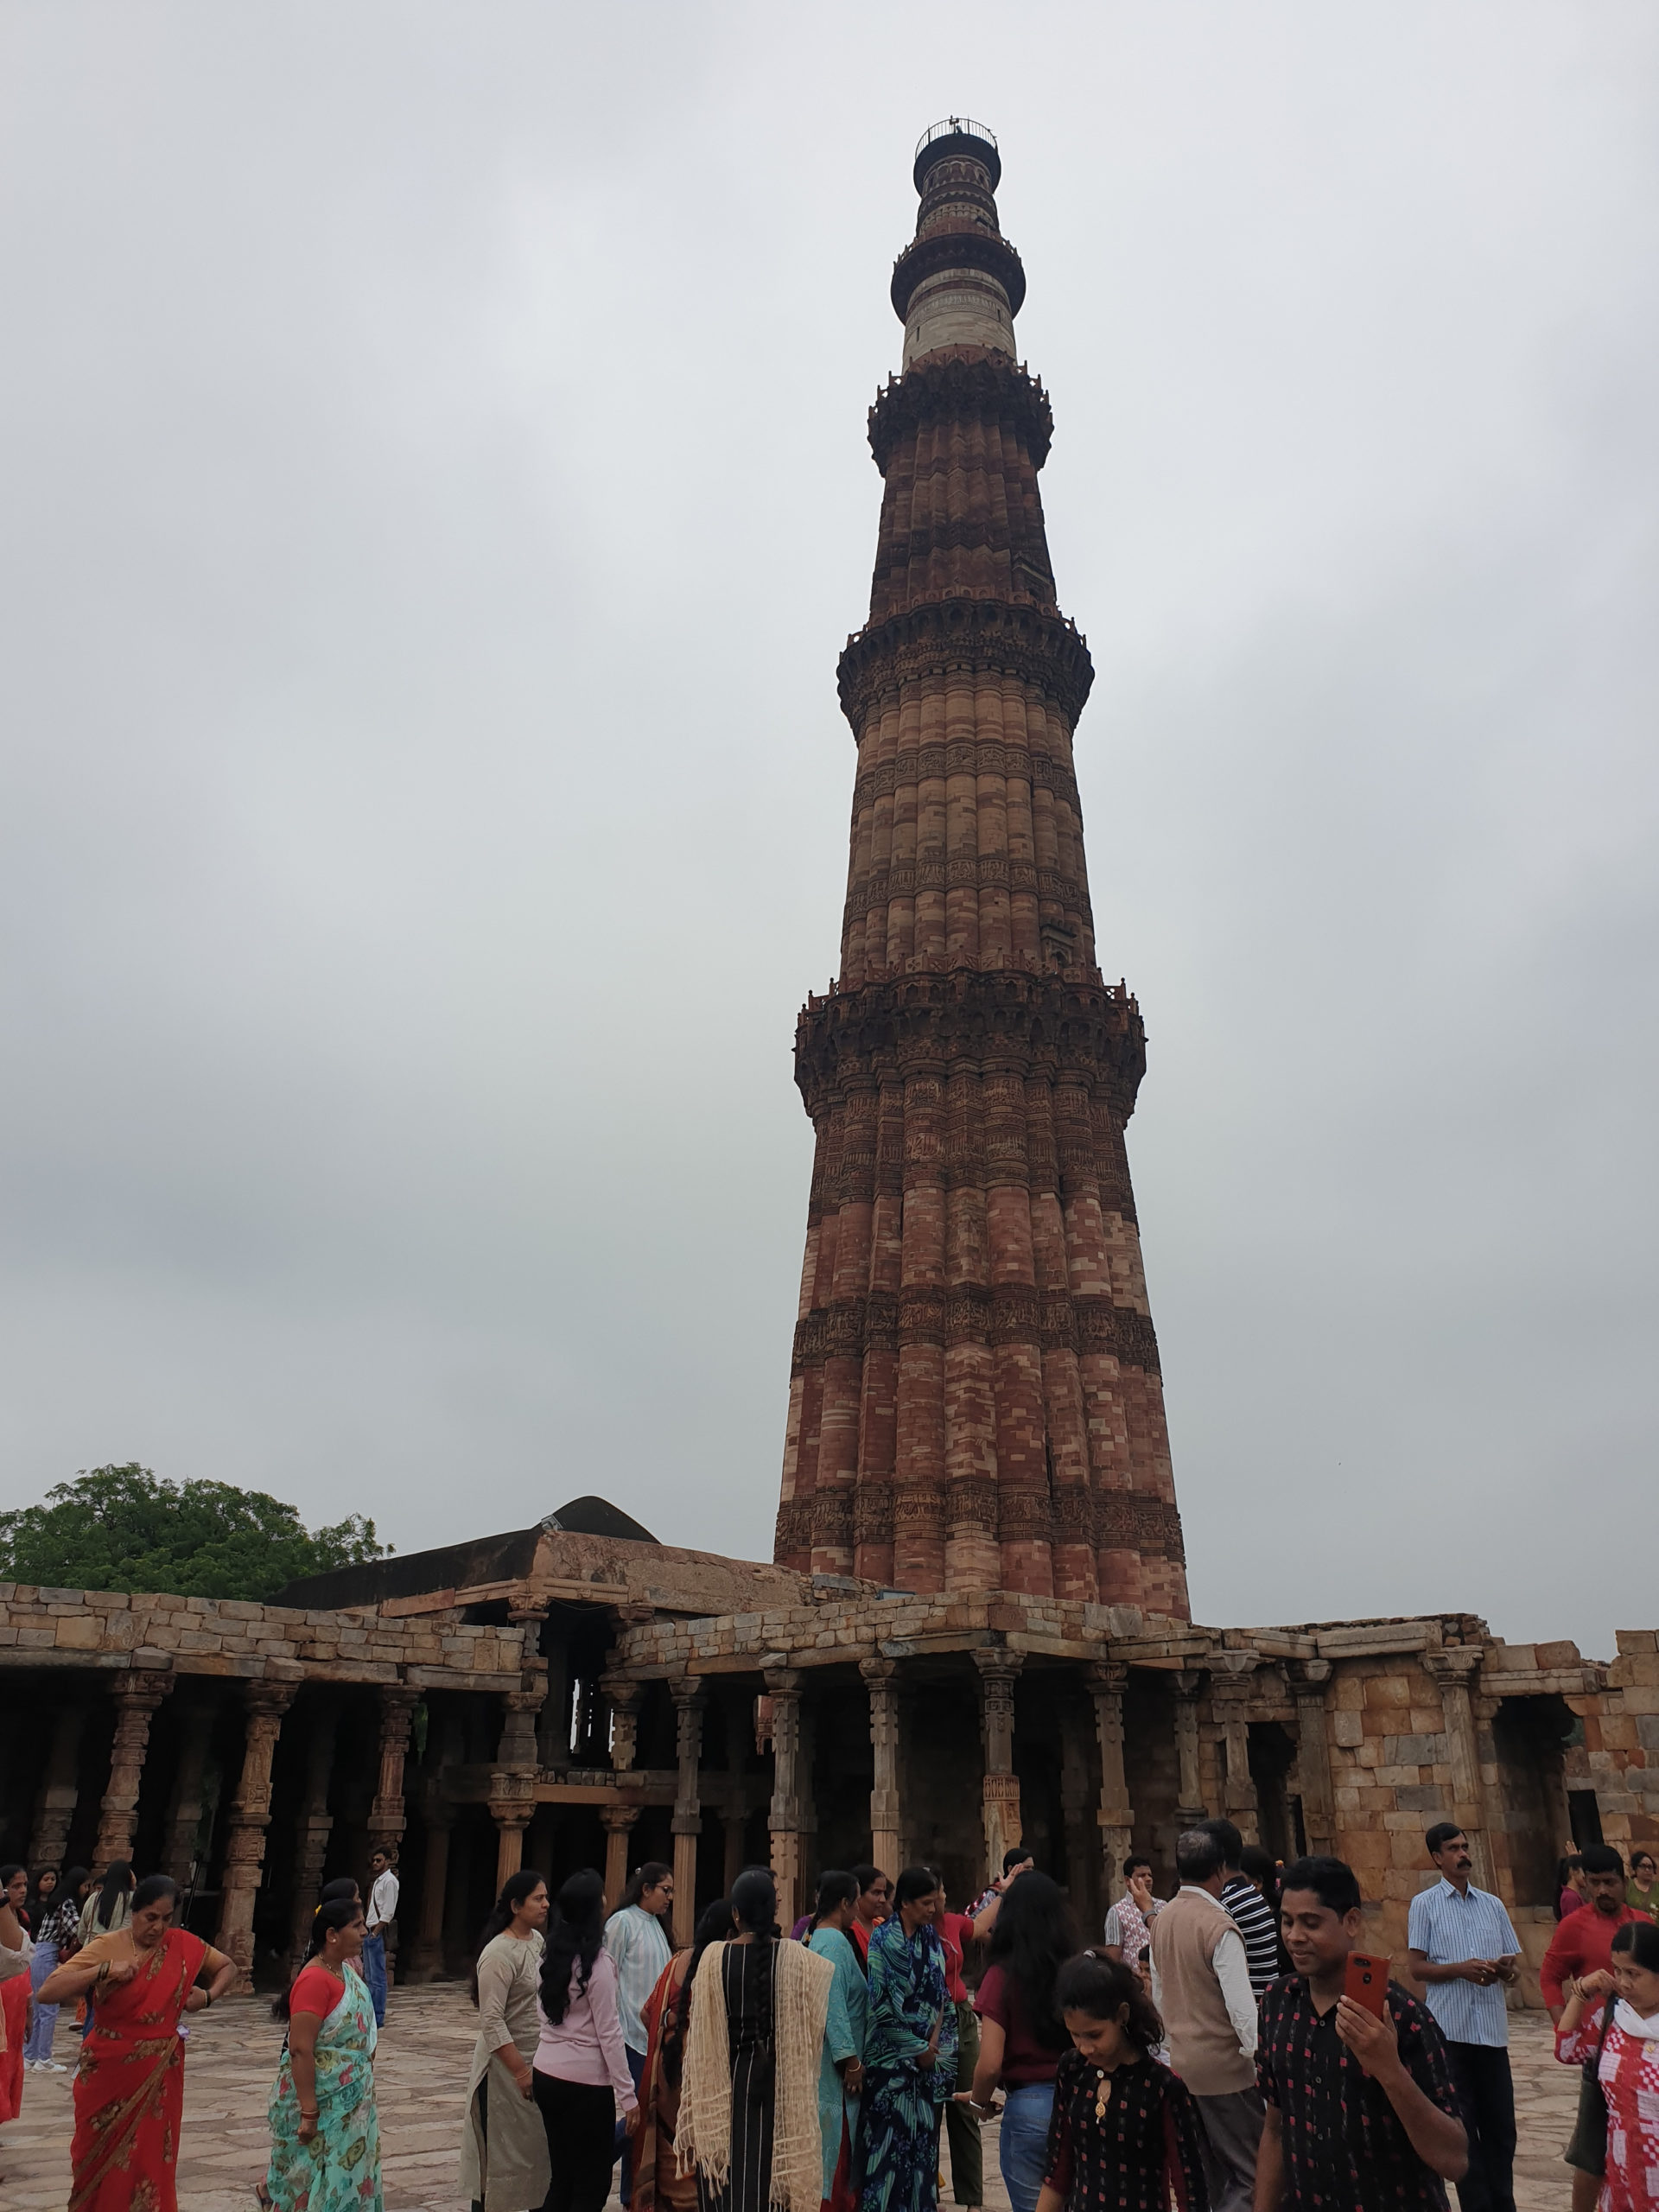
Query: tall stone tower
<point x="975" y="1402"/>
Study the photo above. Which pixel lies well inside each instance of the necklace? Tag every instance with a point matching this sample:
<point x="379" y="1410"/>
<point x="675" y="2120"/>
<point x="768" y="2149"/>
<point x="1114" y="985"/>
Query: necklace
<point x="1103" y="2095"/>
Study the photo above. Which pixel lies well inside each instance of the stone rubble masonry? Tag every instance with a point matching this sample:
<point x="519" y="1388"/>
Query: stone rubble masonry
<point x="975" y="1400"/>
<point x="45" y="1627"/>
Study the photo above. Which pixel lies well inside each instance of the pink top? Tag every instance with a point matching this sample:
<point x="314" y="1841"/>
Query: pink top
<point x="587" y="2045"/>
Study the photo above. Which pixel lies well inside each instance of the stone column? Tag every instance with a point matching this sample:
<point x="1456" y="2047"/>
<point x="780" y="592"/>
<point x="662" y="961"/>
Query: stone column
<point x="1116" y="1818"/>
<point x="387" y="1818"/>
<point x="887" y="1845"/>
<point x="313" y="1827"/>
<point x="54" y="1808"/>
<point x="623" y="1697"/>
<point x="245" y="1854"/>
<point x="136" y="1696"/>
<point x="426" y="1953"/>
<point x="783" y="1686"/>
<point x="1231" y="1689"/>
<point x="1309" y="1680"/>
<point x="618" y="1821"/>
<point x="999" y="1791"/>
<point x="1187" y="1686"/>
<point x="1454" y="1670"/>
<point x="690" y="1693"/>
<point x="513" y="1781"/>
<point x="184" y="1814"/>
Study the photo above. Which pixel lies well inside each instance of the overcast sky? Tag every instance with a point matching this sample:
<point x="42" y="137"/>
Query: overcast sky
<point x="436" y="496"/>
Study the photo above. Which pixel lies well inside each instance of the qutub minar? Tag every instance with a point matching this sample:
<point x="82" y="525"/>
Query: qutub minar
<point x="976" y="1403"/>
<point x="976" y="1629"/>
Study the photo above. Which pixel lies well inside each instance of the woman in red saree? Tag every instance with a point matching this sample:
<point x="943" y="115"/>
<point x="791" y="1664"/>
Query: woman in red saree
<point x="140" y="1981"/>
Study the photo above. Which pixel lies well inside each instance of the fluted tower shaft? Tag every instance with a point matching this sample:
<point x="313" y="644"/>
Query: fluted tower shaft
<point x="975" y="1401"/>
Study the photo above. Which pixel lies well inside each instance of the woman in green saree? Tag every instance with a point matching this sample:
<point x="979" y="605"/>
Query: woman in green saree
<point x="325" y="2138"/>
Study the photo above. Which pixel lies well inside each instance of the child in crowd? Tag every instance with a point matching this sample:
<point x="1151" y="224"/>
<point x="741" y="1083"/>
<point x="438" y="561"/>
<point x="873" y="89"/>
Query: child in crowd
<point x="1125" y="2131"/>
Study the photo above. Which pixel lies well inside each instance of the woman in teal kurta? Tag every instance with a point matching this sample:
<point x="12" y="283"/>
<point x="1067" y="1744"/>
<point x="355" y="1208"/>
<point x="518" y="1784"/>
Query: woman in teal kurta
<point x="909" y="2052"/>
<point x="840" y="2069"/>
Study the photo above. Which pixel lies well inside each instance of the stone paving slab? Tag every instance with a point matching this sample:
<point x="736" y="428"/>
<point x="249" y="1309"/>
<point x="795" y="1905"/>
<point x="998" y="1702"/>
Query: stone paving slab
<point x="420" y="2083"/>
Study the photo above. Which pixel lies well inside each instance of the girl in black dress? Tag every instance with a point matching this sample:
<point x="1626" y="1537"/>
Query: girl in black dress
<point x="1124" y="2136"/>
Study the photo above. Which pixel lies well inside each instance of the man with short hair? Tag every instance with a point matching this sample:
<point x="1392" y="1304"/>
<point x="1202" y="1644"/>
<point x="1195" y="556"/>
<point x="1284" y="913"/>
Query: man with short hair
<point x="1201" y="1985"/>
<point x="1016" y="1861"/>
<point x="1257" y="1921"/>
<point x="1465" y="1951"/>
<point x="1584" y="1942"/>
<point x="1362" y="2112"/>
<point x="1128" y="1922"/>
<point x="382" y="1911"/>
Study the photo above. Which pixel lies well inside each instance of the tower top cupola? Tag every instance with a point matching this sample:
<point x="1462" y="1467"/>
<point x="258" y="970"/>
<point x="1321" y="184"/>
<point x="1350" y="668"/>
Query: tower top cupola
<point x="959" y="282"/>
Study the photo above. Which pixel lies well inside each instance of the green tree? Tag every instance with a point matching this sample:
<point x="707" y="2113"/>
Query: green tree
<point x="126" y="1528"/>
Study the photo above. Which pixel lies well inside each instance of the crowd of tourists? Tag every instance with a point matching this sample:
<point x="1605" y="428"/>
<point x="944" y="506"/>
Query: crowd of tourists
<point x="1233" y="2048"/>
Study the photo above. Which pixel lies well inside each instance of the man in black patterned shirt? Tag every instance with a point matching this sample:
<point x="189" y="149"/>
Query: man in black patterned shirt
<point x="1362" y="2112"/>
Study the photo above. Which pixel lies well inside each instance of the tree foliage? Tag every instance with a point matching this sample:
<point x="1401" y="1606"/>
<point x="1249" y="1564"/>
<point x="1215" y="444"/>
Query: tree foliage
<point x="126" y="1528"/>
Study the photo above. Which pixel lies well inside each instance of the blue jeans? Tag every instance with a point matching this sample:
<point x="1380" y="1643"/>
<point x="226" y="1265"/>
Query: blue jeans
<point x="374" y="1973"/>
<point x="39" y="2046"/>
<point x="1024" y="2138"/>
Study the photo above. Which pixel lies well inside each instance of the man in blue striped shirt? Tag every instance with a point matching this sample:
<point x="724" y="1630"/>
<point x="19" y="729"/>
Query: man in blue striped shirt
<point x="1463" y="1950"/>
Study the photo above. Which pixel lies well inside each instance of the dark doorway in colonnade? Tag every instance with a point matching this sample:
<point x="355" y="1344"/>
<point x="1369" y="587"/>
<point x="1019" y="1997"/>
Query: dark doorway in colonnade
<point x="473" y="1843"/>
<point x="843" y="1774"/>
<point x="1151" y="1770"/>
<point x="1531" y="1736"/>
<point x="1278" y="1813"/>
<point x="940" y="1764"/>
<point x="1039" y="1758"/>
<point x="562" y="1839"/>
<point x="352" y="1787"/>
<point x="27" y="1722"/>
<point x="92" y="1780"/>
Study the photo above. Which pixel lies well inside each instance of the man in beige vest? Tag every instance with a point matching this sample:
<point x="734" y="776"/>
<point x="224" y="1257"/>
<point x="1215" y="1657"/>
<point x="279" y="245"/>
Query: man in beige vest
<point x="1201" y="1984"/>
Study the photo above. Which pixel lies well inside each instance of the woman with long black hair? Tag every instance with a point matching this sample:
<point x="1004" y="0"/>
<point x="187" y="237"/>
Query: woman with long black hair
<point x="1022" y="2038"/>
<point x="657" y="2183"/>
<point x="749" y="2086"/>
<point x="504" y="2161"/>
<point x="583" y="2079"/>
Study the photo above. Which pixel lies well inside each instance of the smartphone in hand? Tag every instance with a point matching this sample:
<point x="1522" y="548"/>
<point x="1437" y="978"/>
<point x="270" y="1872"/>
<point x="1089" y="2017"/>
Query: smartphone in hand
<point x="1366" y="1983"/>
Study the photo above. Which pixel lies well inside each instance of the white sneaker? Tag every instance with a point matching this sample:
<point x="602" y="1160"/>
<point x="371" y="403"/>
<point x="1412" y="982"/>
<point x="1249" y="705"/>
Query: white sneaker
<point x="50" y="2066"/>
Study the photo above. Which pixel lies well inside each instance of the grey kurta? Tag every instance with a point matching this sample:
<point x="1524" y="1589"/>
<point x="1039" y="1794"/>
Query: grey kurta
<point x="504" y="2164"/>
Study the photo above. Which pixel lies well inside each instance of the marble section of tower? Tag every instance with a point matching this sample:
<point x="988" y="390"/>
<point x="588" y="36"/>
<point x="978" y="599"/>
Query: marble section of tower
<point x="975" y="1402"/>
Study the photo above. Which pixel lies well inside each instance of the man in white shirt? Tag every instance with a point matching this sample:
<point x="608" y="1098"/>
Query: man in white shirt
<point x="1465" y="1954"/>
<point x="381" y="1912"/>
<point x="1201" y="1985"/>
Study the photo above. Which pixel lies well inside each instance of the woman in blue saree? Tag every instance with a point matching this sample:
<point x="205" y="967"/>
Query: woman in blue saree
<point x="909" y="2052"/>
<point x="325" y="2138"/>
<point x="840" y="2069"/>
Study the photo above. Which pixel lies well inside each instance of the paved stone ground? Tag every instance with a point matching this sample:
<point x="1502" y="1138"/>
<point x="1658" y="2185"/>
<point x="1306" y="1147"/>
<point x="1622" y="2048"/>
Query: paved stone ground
<point x="421" y="2072"/>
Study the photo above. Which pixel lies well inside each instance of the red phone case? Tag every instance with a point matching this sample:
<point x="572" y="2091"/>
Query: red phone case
<point x="1366" y="1982"/>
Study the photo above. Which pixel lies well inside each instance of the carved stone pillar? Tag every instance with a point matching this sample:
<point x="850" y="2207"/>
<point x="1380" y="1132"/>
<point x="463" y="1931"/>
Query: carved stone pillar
<point x="1231" y="1689"/>
<point x="245" y="1853"/>
<point x="886" y="1845"/>
<point x="54" y="1808"/>
<point x="387" y="1818"/>
<point x="784" y="1685"/>
<point x="184" y="1813"/>
<point x="1187" y="1686"/>
<point x="1309" y="1679"/>
<point x="136" y="1697"/>
<point x="513" y="1780"/>
<point x="1454" y="1670"/>
<point x="690" y="1695"/>
<point x="999" y="1791"/>
<point x="313" y="1827"/>
<point x="1116" y="1818"/>
<point x="426" y="1953"/>
<point x="618" y="1821"/>
<point x="623" y="1695"/>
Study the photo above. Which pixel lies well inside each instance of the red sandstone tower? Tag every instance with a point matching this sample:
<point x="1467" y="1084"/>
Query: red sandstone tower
<point x="975" y="1401"/>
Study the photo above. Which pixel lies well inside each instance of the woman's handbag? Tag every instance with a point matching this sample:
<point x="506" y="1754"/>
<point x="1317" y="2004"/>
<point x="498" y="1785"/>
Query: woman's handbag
<point x="1587" y="2150"/>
